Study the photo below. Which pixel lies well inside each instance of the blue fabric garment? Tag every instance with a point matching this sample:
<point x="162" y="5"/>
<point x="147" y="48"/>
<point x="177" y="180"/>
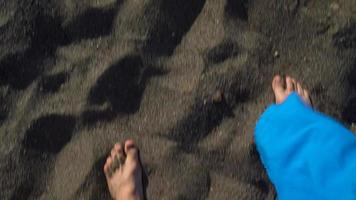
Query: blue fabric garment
<point x="307" y="155"/>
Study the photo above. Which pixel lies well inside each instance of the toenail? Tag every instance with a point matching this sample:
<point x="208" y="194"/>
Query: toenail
<point x="130" y="146"/>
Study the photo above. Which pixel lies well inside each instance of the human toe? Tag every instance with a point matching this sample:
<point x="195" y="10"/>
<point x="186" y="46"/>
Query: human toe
<point x="277" y="84"/>
<point x="306" y="97"/>
<point x="107" y="166"/>
<point x="290" y="84"/>
<point x="300" y="89"/>
<point x="132" y="153"/>
<point x="117" y="150"/>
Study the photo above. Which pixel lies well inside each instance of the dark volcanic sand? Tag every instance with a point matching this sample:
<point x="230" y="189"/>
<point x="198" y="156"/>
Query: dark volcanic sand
<point x="187" y="79"/>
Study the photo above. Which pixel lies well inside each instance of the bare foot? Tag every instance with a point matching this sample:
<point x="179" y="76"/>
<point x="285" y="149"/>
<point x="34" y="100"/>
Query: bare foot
<point x="123" y="172"/>
<point x="291" y="85"/>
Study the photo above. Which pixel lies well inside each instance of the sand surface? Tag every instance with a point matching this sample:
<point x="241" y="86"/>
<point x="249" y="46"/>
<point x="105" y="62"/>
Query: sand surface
<point x="186" y="79"/>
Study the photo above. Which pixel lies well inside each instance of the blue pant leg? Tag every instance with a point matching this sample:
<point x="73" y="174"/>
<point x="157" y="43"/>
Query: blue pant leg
<point x="307" y="155"/>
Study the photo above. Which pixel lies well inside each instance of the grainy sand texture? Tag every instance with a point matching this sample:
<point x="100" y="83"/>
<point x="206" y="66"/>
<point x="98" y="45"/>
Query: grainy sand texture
<point x="186" y="79"/>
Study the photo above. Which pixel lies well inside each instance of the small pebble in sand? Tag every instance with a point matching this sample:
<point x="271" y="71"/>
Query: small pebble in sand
<point x="276" y="54"/>
<point x="217" y="97"/>
<point x="205" y="102"/>
<point x="334" y="6"/>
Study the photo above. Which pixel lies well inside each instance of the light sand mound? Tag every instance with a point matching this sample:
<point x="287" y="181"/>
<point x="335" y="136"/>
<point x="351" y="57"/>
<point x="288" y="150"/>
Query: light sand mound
<point x="187" y="80"/>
